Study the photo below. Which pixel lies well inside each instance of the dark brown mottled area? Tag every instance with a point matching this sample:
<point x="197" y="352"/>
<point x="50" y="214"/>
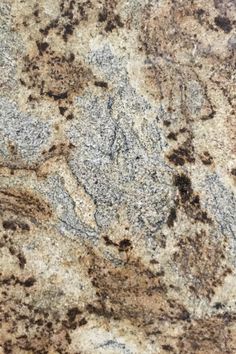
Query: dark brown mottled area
<point x="57" y="77"/>
<point x="208" y="272"/>
<point x="24" y="203"/>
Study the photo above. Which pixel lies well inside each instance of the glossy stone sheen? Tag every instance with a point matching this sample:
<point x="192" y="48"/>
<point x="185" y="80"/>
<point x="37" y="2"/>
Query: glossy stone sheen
<point x="117" y="177"/>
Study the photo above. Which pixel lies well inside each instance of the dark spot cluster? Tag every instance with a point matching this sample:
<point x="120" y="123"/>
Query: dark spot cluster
<point x="33" y="329"/>
<point x="74" y="318"/>
<point x="13" y="225"/>
<point x="172" y="217"/>
<point x="189" y="201"/>
<point x="61" y="149"/>
<point x="54" y="77"/>
<point x="123" y="246"/>
<point x="72" y="14"/>
<point x="183" y="154"/>
<point x="213" y="334"/>
<point x="200" y="258"/>
<point x="233" y="172"/>
<point x="206" y="158"/>
<point x="200" y="15"/>
<point x="42" y="47"/>
<point x="24" y="204"/>
<point x="167" y="348"/>
<point x="13" y="281"/>
<point x="109" y="17"/>
<point x="184" y="185"/>
<point x="7" y="240"/>
<point x="223" y="23"/>
<point x="101" y="84"/>
<point x="72" y="313"/>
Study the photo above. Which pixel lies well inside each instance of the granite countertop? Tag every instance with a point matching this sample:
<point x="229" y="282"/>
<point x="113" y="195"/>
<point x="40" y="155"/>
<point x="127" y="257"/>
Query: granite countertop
<point x="117" y="177"/>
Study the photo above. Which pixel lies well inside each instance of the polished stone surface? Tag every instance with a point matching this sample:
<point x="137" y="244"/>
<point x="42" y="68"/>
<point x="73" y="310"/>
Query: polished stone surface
<point x="117" y="177"/>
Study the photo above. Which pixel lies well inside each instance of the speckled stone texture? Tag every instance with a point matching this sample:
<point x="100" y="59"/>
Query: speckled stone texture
<point x="117" y="177"/>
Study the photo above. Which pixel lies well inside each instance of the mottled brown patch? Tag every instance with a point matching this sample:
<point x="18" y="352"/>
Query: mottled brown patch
<point x="60" y="149"/>
<point x="108" y="16"/>
<point x="215" y="334"/>
<point x="189" y="200"/>
<point x="131" y="291"/>
<point x="38" y="331"/>
<point x="183" y="154"/>
<point x="200" y="258"/>
<point x="168" y="43"/>
<point x="72" y="14"/>
<point x="53" y="76"/>
<point x="26" y="203"/>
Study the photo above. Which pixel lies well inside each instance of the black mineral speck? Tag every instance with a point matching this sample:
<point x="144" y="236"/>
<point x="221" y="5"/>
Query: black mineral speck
<point x="172" y="217"/>
<point x="72" y="313"/>
<point x="167" y="348"/>
<point x="124" y="244"/>
<point x="9" y="225"/>
<point x="29" y="282"/>
<point x="184" y="185"/>
<point x="223" y="23"/>
<point x="233" y="171"/>
<point x="102" y="84"/>
<point x="42" y="47"/>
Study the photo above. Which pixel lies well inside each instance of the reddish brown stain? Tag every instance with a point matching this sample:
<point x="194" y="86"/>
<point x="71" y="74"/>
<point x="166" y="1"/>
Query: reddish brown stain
<point x="55" y="77"/>
<point x="200" y="258"/>
<point x="21" y="202"/>
<point x="131" y="291"/>
<point x="210" y="335"/>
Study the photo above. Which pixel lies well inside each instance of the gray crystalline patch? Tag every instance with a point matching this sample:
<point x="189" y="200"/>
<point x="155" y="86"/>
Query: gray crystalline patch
<point x="232" y="42"/>
<point x="10" y="47"/>
<point x="54" y="190"/>
<point x="109" y="64"/>
<point x="119" y="162"/>
<point x="222" y="203"/>
<point x="114" y="345"/>
<point x="7" y="64"/>
<point x="195" y="99"/>
<point x="28" y="134"/>
<point x="119" y="166"/>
